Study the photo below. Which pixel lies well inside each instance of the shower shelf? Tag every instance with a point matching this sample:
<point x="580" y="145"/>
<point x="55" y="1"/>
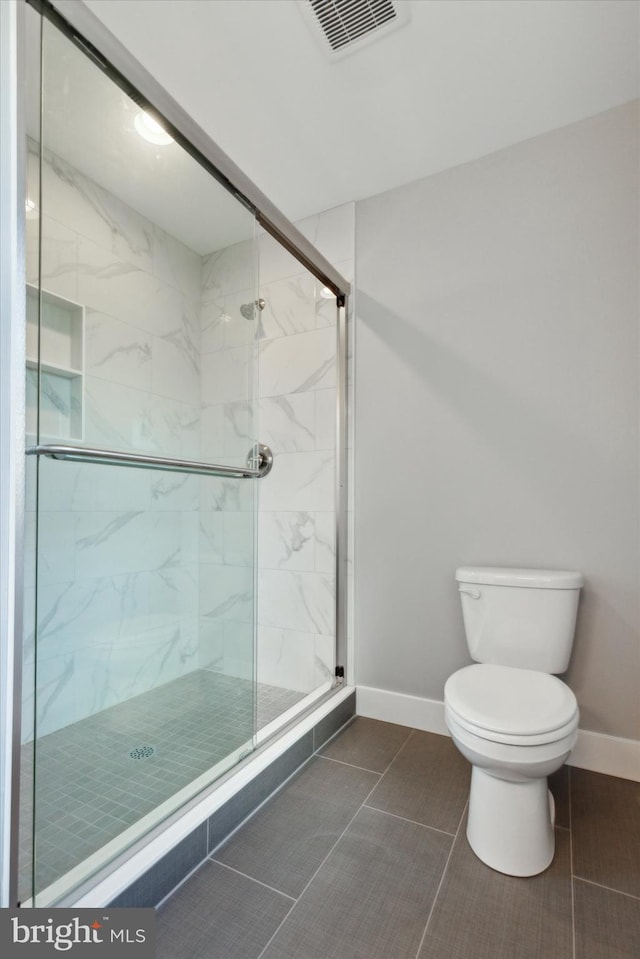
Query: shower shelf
<point x="59" y="344"/>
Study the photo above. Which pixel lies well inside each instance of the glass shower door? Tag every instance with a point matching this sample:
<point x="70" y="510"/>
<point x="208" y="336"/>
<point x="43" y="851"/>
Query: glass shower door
<point x="141" y="373"/>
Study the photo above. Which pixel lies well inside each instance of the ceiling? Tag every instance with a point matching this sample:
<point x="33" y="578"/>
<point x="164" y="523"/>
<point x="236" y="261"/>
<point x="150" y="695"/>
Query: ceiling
<point x="461" y="79"/>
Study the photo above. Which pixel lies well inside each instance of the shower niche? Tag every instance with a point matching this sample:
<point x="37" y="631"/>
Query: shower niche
<point x="56" y="339"/>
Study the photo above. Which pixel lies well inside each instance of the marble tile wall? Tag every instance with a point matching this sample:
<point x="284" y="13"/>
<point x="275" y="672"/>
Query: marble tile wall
<point x="143" y="576"/>
<point x="118" y="552"/>
<point x="297" y="413"/>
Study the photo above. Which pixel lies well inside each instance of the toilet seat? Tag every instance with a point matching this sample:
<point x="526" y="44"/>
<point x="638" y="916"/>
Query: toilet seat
<point x="505" y="704"/>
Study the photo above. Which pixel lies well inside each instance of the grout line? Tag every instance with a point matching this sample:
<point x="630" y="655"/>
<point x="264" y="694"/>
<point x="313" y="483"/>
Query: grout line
<point x="601" y="885"/>
<point x="573" y="895"/>
<point x="440" y="884"/>
<point x="365" y="769"/>
<point x="414" y="822"/>
<point x="268" y="943"/>
<point x="253" y="879"/>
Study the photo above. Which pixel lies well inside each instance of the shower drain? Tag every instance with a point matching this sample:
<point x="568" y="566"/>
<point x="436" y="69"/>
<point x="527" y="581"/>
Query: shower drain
<point x="142" y="752"/>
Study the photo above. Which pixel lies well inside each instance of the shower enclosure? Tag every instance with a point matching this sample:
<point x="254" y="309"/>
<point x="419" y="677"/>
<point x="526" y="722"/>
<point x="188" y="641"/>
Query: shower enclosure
<point x="184" y="470"/>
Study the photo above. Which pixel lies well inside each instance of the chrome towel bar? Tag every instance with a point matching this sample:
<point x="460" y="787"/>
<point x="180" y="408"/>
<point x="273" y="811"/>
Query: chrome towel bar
<point x="259" y="460"/>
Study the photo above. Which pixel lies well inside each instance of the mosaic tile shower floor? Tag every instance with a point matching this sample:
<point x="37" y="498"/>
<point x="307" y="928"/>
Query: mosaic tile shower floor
<point x="99" y="776"/>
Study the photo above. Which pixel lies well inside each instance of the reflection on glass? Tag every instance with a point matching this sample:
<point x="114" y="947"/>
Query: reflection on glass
<point x="142" y="650"/>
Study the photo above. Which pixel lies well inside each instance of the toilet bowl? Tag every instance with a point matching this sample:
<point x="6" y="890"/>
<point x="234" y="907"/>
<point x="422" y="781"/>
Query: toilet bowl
<point x="511" y="812"/>
<point x="514" y="720"/>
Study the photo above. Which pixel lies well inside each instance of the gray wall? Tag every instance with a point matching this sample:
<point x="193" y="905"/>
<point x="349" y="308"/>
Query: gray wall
<point x="497" y="404"/>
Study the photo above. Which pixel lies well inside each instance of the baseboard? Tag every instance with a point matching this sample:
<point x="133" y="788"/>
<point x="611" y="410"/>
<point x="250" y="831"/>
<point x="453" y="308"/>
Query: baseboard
<point x="599" y="753"/>
<point x="607" y="754"/>
<point x="427" y="714"/>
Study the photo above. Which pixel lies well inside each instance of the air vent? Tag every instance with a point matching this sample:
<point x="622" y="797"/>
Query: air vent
<point x="347" y="22"/>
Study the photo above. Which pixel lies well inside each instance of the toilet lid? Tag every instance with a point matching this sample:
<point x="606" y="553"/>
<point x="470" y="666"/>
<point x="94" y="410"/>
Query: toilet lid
<point x="504" y="699"/>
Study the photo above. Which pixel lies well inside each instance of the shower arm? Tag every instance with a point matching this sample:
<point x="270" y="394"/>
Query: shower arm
<point x="259" y="461"/>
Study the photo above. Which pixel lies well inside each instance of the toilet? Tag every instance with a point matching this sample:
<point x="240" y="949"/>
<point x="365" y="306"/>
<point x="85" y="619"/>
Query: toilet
<point x="508" y="714"/>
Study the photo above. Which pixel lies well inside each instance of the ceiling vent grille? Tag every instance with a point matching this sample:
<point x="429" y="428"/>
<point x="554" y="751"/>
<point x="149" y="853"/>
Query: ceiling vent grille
<point x="345" y="21"/>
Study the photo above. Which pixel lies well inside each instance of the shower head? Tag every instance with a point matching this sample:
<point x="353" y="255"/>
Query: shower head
<point x="248" y="310"/>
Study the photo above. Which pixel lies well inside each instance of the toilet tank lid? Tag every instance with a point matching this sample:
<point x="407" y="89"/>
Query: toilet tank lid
<point x="532" y="578"/>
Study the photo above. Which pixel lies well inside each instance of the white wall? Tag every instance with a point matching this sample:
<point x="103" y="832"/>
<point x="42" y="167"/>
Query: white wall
<point x="497" y="405"/>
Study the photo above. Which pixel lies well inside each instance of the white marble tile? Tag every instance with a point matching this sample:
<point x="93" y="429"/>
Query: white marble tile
<point x="110" y="543"/>
<point x="190" y="539"/>
<point x="299" y="601"/>
<point x="176" y="264"/>
<point x="76" y="615"/>
<point x="289" y="306"/>
<point x="232" y="269"/>
<point x="56" y="547"/>
<point x="191" y="327"/>
<point x="286" y="658"/>
<point x="235" y="495"/>
<point x="174" y="491"/>
<point x="326" y="403"/>
<point x="57" y="404"/>
<point x="171" y="428"/>
<point x="288" y="423"/>
<point x="226" y="592"/>
<point x="286" y="540"/>
<point x="212" y="324"/>
<point x="113" y="673"/>
<point x="80" y="204"/>
<point x="117" y="351"/>
<point x="239" y="653"/>
<point x="298" y="363"/>
<point x="325" y="542"/>
<point x="325" y="659"/>
<point x="59" y="257"/>
<point x="212" y="433"/>
<point x="303" y="482"/>
<point x="175" y="368"/>
<point x="70" y="486"/>
<point x="211" y="648"/>
<point x="239" y="536"/>
<point x="54" y="691"/>
<point x="211" y="538"/>
<point x="276" y="263"/>
<point x="116" y="416"/>
<point x="228" y="433"/>
<point x="227" y="376"/>
<point x="174" y="591"/>
<point x="126" y="291"/>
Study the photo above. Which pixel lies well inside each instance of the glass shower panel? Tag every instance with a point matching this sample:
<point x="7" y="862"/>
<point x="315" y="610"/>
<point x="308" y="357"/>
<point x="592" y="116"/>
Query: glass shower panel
<point x="141" y="338"/>
<point x="297" y="506"/>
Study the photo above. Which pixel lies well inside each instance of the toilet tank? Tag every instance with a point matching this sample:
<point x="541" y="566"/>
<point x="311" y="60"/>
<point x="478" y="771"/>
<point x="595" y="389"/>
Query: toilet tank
<point x="519" y="617"/>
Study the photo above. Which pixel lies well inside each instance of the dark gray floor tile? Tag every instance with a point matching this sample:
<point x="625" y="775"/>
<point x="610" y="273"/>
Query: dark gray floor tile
<point x="218" y="914"/>
<point x="482" y="914"/>
<point x="607" y="923"/>
<point x="427" y="782"/>
<point x="285" y="842"/>
<point x="372" y="897"/>
<point x="605" y="823"/>
<point x="368" y="743"/>
<point x="559" y="786"/>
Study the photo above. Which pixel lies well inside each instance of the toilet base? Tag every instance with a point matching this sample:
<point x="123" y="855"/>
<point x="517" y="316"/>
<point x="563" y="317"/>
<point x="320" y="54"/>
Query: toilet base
<point x="510" y="825"/>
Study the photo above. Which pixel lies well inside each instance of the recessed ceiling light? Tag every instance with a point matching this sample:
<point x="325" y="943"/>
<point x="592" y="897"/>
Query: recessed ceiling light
<point x="326" y="293"/>
<point x="150" y="130"/>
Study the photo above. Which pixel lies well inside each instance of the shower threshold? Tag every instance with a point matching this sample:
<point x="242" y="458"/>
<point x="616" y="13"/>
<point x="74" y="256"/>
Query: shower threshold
<point x="108" y="780"/>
